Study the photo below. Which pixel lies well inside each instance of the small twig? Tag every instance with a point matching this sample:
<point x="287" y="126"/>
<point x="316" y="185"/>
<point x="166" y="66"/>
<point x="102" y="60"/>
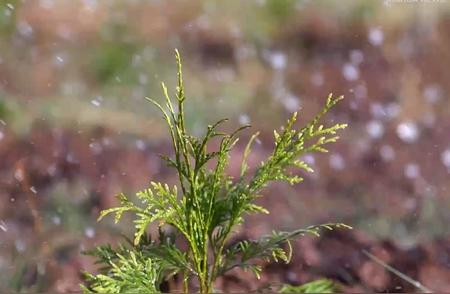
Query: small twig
<point x="396" y="272"/>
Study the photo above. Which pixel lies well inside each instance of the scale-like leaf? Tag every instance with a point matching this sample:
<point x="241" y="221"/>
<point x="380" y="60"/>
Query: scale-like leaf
<point x="210" y="205"/>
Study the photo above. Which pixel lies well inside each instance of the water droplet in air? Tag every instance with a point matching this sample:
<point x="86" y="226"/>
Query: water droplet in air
<point x="445" y="158"/>
<point x="140" y="144"/>
<point x="337" y="162"/>
<point x="356" y="56"/>
<point x="375" y="129"/>
<point x="360" y="91"/>
<point x="18" y="175"/>
<point x="350" y="72"/>
<point x="52" y="169"/>
<point x="309" y="159"/>
<point x="408" y="132"/>
<point x="89" y="232"/>
<point x="244" y="119"/>
<point x="56" y="220"/>
<point x="3" y="226"/>
<point x="378" y="110"/>
<point x="277" y="60"/>
<point x="412" y="171"/>
<point x="95" y="103"/>
<point x="71" y="158"/>
<point x="20" y="245"/>
<point x="96" y="147"/>
<point x="291" y="102"/>
<point x="392" y="109"/>
<point x="387" y="153"/>
<point x="432" y="93"/>
<point x="24" y="29"/>
<point x="59" y="60"/>
<point x="376" y="36"/>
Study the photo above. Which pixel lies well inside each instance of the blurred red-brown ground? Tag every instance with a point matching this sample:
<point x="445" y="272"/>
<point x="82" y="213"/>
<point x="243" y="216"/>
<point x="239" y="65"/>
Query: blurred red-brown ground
<point x="388" y="176"/>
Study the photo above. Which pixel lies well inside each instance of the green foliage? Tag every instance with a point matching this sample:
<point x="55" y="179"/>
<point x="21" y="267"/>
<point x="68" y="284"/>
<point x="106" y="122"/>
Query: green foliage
<point x="4" y="111"/>
<point x="319" y="286"/>
<point x="208" y="204"/>
<point x="8" y="17"/>
<point x="128" y="272"/>
<point x="111" y="59"/>
<point x="281" y="9"/>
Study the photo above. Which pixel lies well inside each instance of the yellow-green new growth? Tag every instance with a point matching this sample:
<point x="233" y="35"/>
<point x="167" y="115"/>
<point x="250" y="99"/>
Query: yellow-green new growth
<point x="210" y="204"/>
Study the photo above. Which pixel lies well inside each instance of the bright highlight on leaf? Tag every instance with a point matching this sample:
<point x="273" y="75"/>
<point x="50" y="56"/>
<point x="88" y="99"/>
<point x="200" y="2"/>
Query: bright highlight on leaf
<point x="206" y="206"/>
<point x="319" y="286"/>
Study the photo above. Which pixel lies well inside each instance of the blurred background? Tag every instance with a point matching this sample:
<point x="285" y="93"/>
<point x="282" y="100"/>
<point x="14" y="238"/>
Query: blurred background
<point x="75" y="128"/>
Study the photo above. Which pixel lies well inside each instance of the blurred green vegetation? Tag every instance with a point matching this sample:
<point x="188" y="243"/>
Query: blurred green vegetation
<point x="110" y="60"/>
<point x="8" y="16"/>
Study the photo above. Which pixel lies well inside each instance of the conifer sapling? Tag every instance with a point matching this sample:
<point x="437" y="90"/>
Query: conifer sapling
<point x="206" y="206"/>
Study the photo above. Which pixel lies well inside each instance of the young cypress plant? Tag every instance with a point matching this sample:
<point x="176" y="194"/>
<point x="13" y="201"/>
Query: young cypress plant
<point x="206" y="207"/>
